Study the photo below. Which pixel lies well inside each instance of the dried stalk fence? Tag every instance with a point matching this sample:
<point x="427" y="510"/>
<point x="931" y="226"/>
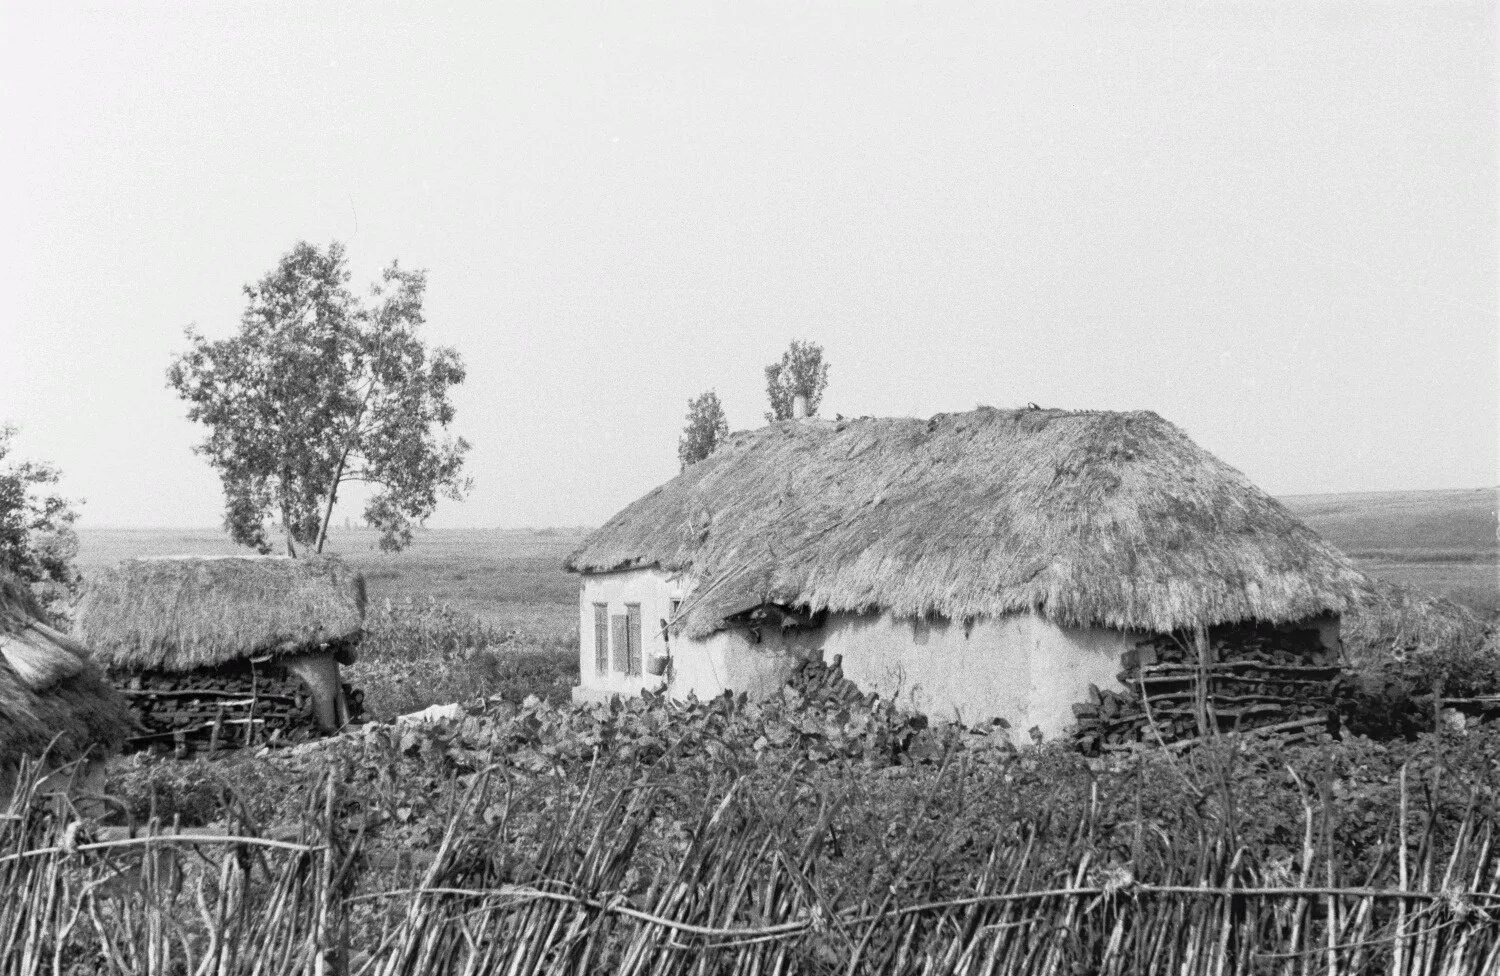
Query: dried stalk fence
<point x="738" y="898"/>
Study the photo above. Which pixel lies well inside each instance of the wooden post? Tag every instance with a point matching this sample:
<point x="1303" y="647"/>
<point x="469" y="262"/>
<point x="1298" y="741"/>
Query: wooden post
<point x="254" y="695"/>
<point x="1201" y="708"/>
<point x="218" y="729"/>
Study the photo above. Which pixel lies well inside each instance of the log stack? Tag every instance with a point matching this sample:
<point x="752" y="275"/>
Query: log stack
<point x="824" y="682"/>
<point x="213" y="710"/>
<point x="1248" y="678"/>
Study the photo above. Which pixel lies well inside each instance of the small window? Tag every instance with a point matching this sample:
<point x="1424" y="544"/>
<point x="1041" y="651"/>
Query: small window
<point x="633" y="638"/>
<point x="621" y="643"/>
<point x="601" y="637"/>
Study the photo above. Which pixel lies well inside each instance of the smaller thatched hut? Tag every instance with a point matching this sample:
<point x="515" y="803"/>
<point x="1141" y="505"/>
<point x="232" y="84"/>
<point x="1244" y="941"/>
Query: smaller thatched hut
<point x="53" y="701"/>
<point x="227" y="651"/>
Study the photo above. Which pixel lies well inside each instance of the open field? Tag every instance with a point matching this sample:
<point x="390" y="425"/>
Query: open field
<point x="1440" y="541"/>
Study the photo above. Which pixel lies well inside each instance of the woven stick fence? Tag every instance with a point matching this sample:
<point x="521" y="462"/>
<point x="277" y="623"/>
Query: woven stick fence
<point x="738" y="897"/>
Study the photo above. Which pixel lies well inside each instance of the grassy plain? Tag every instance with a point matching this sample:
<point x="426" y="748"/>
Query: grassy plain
<point x="1444" y="542"/>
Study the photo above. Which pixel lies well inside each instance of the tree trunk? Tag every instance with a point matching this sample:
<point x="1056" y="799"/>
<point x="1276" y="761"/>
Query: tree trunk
<point x="338" y="474"/>
<point x="286" y="528"/>
<point x="333" y="496"/>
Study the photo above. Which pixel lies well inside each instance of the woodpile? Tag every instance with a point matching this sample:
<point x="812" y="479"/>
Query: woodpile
<point x="1179" y="688"/>
<point x="824" y="682"/>
<point x="233" y="706"/>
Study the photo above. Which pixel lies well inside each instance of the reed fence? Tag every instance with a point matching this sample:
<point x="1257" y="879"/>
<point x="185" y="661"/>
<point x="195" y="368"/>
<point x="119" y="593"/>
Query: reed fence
<point x="739" y="895"/>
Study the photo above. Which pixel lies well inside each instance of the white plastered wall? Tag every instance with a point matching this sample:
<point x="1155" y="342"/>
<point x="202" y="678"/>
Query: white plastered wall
<point x="1023" y="668"/>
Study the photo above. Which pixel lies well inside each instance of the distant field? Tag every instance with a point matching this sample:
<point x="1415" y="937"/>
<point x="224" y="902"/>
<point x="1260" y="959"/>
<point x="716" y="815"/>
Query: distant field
<point x="1441" y="541"/>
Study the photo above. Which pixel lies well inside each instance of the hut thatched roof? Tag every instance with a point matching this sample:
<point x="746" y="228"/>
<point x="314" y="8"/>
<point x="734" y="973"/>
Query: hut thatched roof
<point x="48" y="689"/>
<point x="180" y="613"/>
<point x="1113" y="519"/>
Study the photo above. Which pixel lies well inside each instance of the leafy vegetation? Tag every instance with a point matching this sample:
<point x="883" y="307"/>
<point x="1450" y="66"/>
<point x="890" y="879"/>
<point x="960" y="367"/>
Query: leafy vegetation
<point x="706" y="429"/>
<point x="318" y="390"/>
<point x="800" y="372"/>
<point x="37" y="541"/>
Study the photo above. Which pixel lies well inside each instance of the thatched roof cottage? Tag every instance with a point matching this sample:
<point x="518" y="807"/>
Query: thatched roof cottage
<point x="229" y="627"/>
<point x="53" y="701"/>
<point x="994" y="563"/>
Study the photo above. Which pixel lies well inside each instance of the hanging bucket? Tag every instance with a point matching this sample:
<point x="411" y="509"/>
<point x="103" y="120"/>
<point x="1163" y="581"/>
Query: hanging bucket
<point x="656" y="664"/>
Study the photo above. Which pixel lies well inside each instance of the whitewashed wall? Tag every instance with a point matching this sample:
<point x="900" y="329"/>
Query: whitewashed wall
<point x="1022" y="668"/>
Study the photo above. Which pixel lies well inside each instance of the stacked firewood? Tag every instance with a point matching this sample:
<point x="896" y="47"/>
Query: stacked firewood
<point x="1246" y="678"/>
<point x="824" y="682"/>
<point x="215" y="709"/>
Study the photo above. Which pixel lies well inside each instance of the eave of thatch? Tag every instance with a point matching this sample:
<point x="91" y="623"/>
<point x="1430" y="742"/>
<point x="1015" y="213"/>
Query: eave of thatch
<point x="181" y="613"/>
<point x="52" y="700"/>
<point x="1088" y="518"/>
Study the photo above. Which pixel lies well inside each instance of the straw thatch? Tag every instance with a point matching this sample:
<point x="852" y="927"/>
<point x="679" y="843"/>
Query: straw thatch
<point x="181" y="613"/>
<point x="1089" y="518"/>
<point x="48" y="689"/>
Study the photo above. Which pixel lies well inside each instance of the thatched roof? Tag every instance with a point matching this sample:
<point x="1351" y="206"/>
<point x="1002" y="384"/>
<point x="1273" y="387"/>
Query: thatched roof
<point x="1113" y="519"/>
<point x="48" y="689"/>
<point x="180" y="613"/>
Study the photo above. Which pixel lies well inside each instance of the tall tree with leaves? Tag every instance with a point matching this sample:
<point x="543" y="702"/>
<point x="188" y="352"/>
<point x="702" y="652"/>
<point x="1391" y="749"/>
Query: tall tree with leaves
<point x="37" y="540"/>
<point x="706" y="429"/>
<point x="801" y="370"/>
<point x="319" y="390"/>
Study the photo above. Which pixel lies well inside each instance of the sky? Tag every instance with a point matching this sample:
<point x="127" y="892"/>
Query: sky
<point x="1275" y="224"/>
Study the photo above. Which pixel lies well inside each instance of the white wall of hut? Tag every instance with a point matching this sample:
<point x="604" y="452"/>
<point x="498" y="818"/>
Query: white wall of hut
<point x="1022" y="668"/>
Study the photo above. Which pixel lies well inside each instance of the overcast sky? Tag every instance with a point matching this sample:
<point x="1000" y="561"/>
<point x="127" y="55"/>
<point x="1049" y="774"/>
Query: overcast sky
<point x="1274" y="224"/>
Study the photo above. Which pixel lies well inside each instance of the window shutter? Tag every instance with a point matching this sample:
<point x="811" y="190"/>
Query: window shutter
<point x="617" y="633"/>
<point x="633" y="615"/>
<point x="601" y="637"/>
